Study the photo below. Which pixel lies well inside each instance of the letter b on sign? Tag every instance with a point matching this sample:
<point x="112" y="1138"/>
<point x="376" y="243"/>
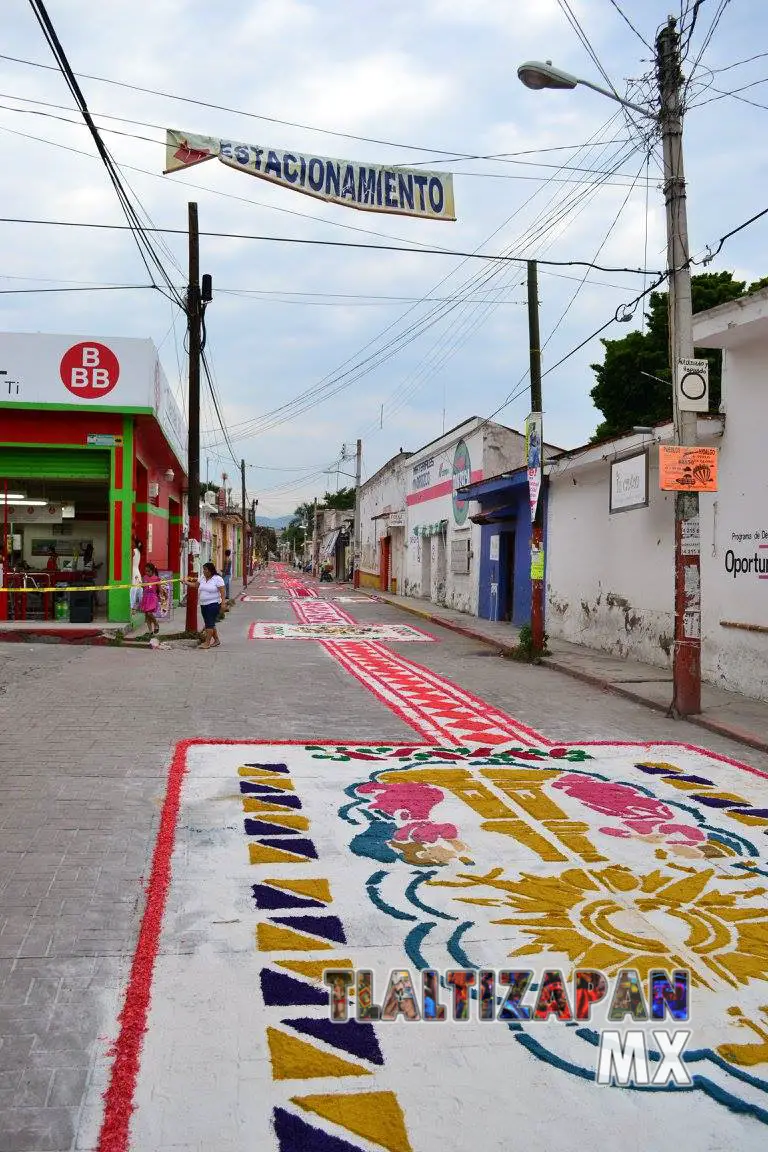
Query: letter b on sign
<point x="89" y="371"/>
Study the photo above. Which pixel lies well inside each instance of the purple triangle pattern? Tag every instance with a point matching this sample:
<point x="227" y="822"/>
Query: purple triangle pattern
<point x="287" y="799"/>
<point x="300" y="847"/>
<point x="352" y="1037"/>
<point x="295" y="1135"/>
<point x="330" y="927"/>
<point x="264" y="828"/>
<point x="272" y="898"/>
<point x="279" y="989"/>
<point x="270" y="767"/>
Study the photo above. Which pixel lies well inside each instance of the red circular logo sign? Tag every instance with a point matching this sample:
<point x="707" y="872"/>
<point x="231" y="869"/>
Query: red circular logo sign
<point x="89" y="370"/>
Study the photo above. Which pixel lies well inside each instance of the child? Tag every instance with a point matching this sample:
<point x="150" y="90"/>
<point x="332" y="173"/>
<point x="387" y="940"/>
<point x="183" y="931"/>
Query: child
<point x="150" y="600"/>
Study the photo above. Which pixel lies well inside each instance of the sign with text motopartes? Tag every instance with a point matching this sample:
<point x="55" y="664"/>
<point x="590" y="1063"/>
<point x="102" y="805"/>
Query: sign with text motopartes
<point x="368" y="187"/>
<point x="687" y="469"/>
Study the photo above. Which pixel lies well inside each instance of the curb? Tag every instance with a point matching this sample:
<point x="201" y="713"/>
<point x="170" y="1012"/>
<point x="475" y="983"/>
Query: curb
<point x="716" y="726"/>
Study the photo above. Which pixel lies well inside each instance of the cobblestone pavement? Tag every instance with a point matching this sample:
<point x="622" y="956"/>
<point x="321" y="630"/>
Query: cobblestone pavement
<point x="88" y="736"/>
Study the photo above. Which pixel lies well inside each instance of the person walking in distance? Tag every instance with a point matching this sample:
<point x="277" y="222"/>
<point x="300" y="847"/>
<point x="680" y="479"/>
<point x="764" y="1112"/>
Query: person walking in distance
<point x="211" y="593"/>
<point x="227" y="571"/>
<point x="150" y="600"/>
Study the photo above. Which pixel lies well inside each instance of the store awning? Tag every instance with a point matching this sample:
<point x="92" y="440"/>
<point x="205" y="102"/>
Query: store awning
<point x="329" y="543"/>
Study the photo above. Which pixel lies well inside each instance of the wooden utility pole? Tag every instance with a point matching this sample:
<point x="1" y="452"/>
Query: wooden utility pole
<point x="244" y="549"/>
<point x="194" y="329"/>
<point x="537" y="527"/>
<point x="686" y="661"/>
<point x="357" y="540"/>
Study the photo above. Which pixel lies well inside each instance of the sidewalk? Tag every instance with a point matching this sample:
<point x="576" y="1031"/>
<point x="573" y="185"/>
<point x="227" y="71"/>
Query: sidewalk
<point x="726" y="713"/>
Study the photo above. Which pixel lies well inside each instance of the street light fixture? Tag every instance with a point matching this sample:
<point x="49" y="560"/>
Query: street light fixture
<point x="537" y="75"/>
<point x="686" y="665"/>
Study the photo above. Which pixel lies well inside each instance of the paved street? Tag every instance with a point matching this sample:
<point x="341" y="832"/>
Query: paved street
<point x="167" y="908"/>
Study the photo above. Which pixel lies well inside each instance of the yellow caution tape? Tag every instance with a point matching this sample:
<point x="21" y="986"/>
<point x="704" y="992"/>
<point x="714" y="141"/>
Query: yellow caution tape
<point x="48" y="589"/>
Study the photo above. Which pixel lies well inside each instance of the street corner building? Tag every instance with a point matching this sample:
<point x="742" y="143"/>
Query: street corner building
<point x="92" y="458"/>
<point x="610" y="527"/>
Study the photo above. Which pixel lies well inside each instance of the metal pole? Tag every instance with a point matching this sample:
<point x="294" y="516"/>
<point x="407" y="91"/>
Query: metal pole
<point x="243" y="549"/>
<point x="686" y="665"/>
<point x="357" y="543"/>
<point x="194" y="325"/>
<point x="537" y="528"/>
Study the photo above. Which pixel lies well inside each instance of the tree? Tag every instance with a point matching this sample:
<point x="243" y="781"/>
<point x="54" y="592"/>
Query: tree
<point x="342" y="500"/>
<point x="301" y="526"/>
<point x="626" y="392"/>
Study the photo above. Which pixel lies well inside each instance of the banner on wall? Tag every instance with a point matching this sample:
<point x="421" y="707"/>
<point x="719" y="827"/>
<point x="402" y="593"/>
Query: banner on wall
<point x="367" y="187"/>
<point x="533" y="443"/>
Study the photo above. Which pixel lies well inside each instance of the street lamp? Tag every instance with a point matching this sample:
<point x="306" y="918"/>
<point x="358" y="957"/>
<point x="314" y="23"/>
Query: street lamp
<point x="686" y="666"/>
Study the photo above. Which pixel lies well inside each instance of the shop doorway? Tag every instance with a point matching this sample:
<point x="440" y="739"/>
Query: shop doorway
<point x="60" y="539"/>
<point x="426" y="567"/>
<point x="507" y="576"/>
<point x="440" y="571"/>
<point x="385" y="557"/>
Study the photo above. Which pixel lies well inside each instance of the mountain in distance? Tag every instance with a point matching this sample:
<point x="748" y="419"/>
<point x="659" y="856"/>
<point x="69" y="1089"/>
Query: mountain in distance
<point x="276" y="522"/>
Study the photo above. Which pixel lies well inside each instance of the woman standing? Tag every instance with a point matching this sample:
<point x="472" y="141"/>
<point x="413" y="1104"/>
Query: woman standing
<point x="211" y="593"/>
<point x="150" y="600"/>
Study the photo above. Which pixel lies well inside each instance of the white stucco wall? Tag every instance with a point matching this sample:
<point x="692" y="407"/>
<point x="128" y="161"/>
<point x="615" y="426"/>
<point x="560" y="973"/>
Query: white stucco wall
<point x="736" y="520"/>
<point x="384" y="492"/>
<point x="610" y="578"/>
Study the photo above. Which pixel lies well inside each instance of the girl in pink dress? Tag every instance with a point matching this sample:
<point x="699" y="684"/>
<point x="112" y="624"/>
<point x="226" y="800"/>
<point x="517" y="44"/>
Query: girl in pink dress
<point x="150" y="600"/>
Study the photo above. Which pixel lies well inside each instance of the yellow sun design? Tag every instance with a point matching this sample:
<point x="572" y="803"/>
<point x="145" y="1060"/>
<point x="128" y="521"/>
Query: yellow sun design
<point x="611" y="918"/>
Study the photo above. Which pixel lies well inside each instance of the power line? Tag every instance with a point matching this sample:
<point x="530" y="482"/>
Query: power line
<point x="146" y="250"/>
<point x="627" y="21"/>
<point x="95" y="288"/>
<point x="453" y="153"/>
<point x="327" y="244"/>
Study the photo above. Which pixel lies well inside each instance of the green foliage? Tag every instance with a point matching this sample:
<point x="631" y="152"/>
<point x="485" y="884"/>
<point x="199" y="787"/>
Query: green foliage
<point x="342" y="500"/>
<point x="525" y="651"/>
<point x="623" y="394"/>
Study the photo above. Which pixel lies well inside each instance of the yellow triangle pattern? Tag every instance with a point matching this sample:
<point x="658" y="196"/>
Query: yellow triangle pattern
<point x="274" y="938"/>
<point x="313" y="968"/>
<point x="272" y="779"/>
<point x="264" y="854"/>
<point x="316" y="889"/>
<point x="294" y="1059"/>
<point x="375" y="1116"/>
<point x="289" y="820"/>
<point x="268" y="805"/>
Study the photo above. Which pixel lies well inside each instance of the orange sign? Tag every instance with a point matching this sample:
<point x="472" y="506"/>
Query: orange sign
<point x="687" y="469"/>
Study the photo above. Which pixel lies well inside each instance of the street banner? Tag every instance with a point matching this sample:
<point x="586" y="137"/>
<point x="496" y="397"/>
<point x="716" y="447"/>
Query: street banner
<point x="687" y="469"/>
<point x="369" y="187"/>
<point x="533" y="443"/>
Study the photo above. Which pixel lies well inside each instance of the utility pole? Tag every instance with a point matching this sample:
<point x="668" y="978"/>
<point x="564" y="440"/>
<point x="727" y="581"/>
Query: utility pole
<point x="686" y="665"/>
<point x="537" y="527"/>
<point x="357" y="543"/>
<point x="244" y="549"/>
<point x="314" y="540"/>
<point x="194" y="329"/>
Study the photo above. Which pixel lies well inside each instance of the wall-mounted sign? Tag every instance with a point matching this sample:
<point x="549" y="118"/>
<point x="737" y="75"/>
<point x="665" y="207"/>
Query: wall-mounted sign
<point x="103" y="440"/>
<point x="533" y="443"/>
<point x="493" y="553"/>
<point x="462" y="475"/>
<point x="748" y="555"/>
<point x="537" y="563"/>
<point x="693" y="385"/>
<point x="35" y="514"/>
<point x="629" y="483"/>
<point x="396" y="519"/>
<point x="368" y="187"/>
<point x="687" y="469"/>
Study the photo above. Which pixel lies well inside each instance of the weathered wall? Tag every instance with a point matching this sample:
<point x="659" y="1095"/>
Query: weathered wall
<point x="734" y="527"/>
<point x="384" y="492"/>
<point x="610" y="579"/>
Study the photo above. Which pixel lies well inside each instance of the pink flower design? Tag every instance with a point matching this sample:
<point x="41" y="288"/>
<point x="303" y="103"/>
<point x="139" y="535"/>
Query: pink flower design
<point x="425" y="832"/>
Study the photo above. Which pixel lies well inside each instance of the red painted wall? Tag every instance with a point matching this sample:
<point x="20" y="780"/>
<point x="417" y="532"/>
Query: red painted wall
<point x="154" y="455"/>
<point x="43" y="426"/>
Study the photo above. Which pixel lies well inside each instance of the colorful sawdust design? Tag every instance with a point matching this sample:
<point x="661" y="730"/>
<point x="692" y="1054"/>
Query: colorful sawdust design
<point x="386" y="633"/>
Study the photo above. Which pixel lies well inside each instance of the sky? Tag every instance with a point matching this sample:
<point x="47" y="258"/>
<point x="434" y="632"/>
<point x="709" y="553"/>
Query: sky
<point x="441" y="337"/>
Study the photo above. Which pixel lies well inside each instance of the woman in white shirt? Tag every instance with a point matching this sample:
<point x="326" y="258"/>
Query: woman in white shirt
<point x="211" y="591"/>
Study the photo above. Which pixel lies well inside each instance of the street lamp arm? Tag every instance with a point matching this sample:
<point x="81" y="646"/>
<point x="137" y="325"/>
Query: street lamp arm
<point x="536" y="74"/>
<point x="618" y="99"/>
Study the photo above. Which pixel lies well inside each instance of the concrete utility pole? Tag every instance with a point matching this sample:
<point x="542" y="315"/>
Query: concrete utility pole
<point x="537" y="527"/>
<point x="357" y="543"/>
<point x="194" y="328"/>
<point x="686" y="666"/>
<point x="244" y="549"/>
<point x="314" y="540"/>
